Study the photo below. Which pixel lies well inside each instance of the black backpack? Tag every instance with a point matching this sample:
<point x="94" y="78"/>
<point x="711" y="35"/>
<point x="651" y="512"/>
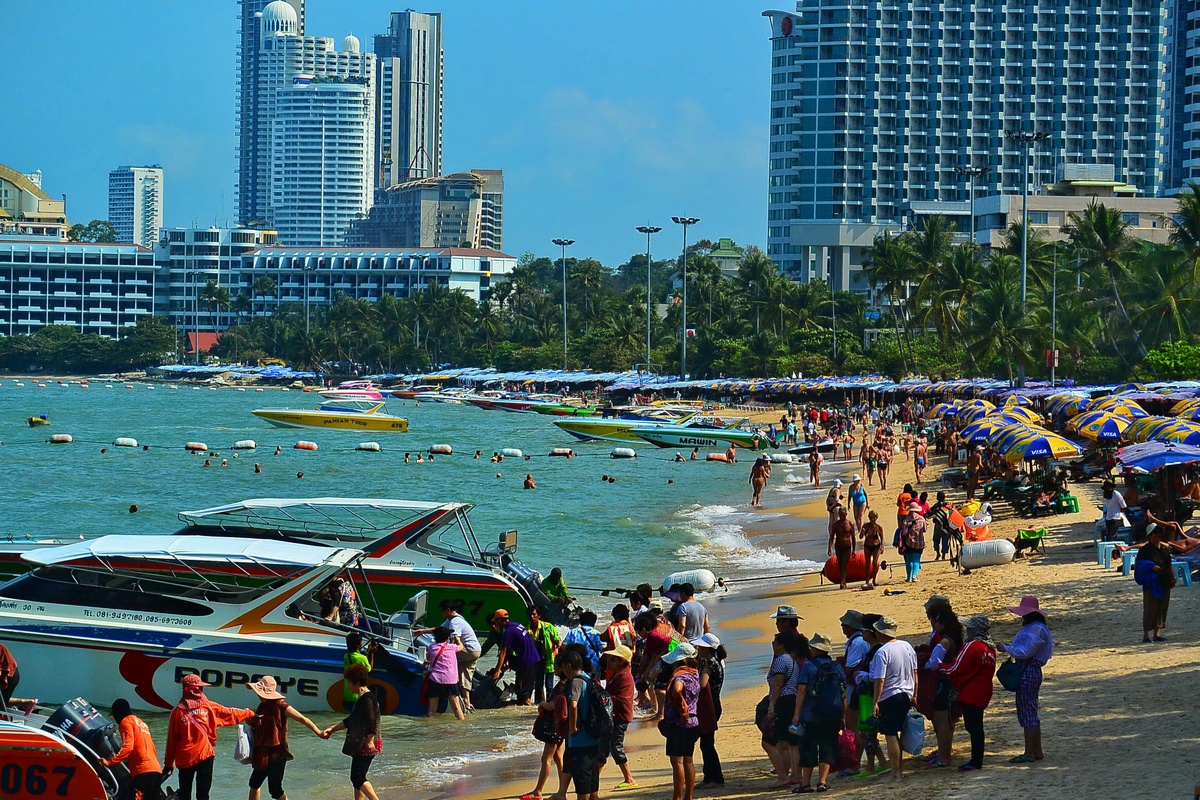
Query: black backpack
<point x="598" y="721"/>
<point x="827" y="691"/>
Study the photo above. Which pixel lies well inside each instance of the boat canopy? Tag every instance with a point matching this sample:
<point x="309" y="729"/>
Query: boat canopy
<point x="198" y="548"/>
<point x="348" y="516"/>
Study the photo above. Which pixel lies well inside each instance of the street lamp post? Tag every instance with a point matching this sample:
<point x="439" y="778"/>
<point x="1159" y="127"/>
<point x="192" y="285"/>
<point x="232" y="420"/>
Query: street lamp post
<point x="972" y="173"/>
<point x="564" y="244"/>
<point x="649" y="230"/>
<point x="685" y="222"/>
<point x="833" y="311"/>
<point x="1026" y="139"/>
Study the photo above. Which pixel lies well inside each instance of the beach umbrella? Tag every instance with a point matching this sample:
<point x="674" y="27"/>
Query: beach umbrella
<point x="1153" y="456"/>
<point x="1118" y="405"/>
<point x="1066" y="405"/>
<point x="1185" y="408"/>
<point x="978" y="403"/>
<point x="1004" y="438"/>
<point x="1035" y="447"/>
<point x="942" y="410"/>
<point x="1130" y="387"/>
<point x="1150" y="428"/>
<point x="1023" y="414"/>
<point x="1100" y="426"/>
<point x="970" y="414"/>
<point x="1189" y="415"/>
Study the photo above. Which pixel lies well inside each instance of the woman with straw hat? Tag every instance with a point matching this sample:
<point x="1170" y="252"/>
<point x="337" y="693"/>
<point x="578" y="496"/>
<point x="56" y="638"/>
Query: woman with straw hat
<point x="269" y="754"/>
<point x="1032" y="647"/>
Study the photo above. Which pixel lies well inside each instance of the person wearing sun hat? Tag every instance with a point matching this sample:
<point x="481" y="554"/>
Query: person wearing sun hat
<point x="1032" y="647"/>
<point x="191" y="734"/>
<point x="618" y="682"/>
<point x="269" y="754"/>
<point x="680" y="724"/>
<point x="912" y="542"/>
<point x="894" y="673"/>
<point x="711" y="665"/>
<point x="786" y="619"/>
<point x="822" y="718"/>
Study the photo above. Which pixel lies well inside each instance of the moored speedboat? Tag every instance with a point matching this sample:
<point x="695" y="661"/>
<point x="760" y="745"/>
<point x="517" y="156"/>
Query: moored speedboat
<point x="696" y="436"/>
<point x="347" y="415"/>
<point x="59" y="755"/>
<point x="626" y="429"/>
<point x="132" y="615"/>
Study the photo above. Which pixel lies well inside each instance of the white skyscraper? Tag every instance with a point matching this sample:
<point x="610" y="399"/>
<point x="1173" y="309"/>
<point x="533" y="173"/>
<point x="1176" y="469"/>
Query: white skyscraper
<point x="318" y="92"/>
<point x="135" y="203"/>
<point x="409" y="116"/>
<point x="322" y="151"/>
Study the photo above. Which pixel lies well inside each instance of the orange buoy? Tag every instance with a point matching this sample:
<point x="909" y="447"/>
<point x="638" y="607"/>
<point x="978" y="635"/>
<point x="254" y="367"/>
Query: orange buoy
<point x="305" y="446"/>
<point x="717" y="457"/>
<point x="196" y="447"/>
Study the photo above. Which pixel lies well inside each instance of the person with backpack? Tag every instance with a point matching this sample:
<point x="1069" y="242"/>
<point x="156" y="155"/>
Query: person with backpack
<point x="821" y="709"/>
<point x="589" y="726"/>
<point x="912" y="542"/>
<point x="680" y="724"/>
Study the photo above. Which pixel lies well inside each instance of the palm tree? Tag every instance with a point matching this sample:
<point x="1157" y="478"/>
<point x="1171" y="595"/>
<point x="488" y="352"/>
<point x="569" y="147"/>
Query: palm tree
<point x="757" y="275"/>
<point x="1101" y="235"/>
<point x="999" y="326"/>
<point x="1162" y="295"/>
<point x="891" y="264"/>
<point x="1185" y="228"/>
<point x="264" y="286"/>
<point x="215" y="297"/>
<point x="943" y="297"/>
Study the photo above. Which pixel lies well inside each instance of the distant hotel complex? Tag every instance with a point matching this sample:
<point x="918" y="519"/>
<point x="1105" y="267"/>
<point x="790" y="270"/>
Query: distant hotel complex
<point x="135" y="203"/>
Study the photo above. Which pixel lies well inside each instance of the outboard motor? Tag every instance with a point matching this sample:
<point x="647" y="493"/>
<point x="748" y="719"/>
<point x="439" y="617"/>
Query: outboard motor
<point x="81" y="720"/>
<point x="530" y="580"/>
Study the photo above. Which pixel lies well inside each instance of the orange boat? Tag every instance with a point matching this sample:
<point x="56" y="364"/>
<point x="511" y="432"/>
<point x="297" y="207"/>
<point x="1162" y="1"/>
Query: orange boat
<point x="42" y="761"/>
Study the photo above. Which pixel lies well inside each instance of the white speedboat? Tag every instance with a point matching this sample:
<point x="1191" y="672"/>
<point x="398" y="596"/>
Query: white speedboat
<point x="130" y="616"/>
<point x="353" y="390"/>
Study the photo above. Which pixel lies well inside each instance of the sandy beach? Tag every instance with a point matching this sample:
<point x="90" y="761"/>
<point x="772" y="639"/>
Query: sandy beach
<point x="1111" y="712"/>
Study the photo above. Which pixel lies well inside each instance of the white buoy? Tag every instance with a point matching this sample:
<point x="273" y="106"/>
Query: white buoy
<point x="174" y="388"/>
<point x="303" y="445"/>
<point x="369" y="447"/>
<point x="196" y="447"/>
<point x="702" y="579"/>
<point x="260" y="390"/>
<point x="124" y="441"/>
<point x="782" y="458"/>
<point x="61" y="438"/>
<point x="442" y="450"/>
<point x="623" y="452"/>
<point x="512" y="452"/>
<point x="245" y="444"/>
<point x="241" y="388"/>
<point x="565" y="452"/>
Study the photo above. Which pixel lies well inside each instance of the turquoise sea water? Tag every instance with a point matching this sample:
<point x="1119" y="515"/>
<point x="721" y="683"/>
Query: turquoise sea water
<point x="602" y="534"/>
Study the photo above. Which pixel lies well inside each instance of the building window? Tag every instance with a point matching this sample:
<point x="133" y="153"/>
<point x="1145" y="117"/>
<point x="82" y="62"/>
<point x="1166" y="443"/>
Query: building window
<point x="1131" y="218"/>
<point x="1039" y="218"/>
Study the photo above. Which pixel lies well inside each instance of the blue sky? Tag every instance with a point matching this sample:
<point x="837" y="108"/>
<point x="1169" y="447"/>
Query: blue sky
<point x="603" y="116"/>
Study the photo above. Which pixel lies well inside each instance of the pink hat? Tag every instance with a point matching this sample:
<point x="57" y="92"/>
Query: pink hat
<point x="266" y="688"/>
<point x="1029" y="605"/>
<point x="914" y="507"/>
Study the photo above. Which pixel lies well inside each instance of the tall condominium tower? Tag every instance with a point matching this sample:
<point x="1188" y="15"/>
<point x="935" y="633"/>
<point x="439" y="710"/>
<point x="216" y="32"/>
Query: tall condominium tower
<point x="249" y="133"/>
<point x="135" y="204"/>
<point x="409" y="113"/>
<point x="292" y="68"/>
<point x="321" y="155"/>
<point x="874" y="105"/>
<point x="1181" y="90"/>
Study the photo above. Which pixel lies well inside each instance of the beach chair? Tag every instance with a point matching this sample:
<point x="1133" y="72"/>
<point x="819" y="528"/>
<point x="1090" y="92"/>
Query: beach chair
<point x="1032" y="536"/>
<point x="1183" y="571"/>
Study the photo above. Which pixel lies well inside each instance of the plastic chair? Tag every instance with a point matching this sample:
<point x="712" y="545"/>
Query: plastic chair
<point x="1183" y="572"/>
<point x="1104" y="551"/>
<point x="1035" y="535"/>
<point x="1127" y="559"/>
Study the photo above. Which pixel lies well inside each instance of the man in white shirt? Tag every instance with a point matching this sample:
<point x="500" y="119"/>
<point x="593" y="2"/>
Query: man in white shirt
<point x="894" y="673"/>
<point x="1114" y="510"/>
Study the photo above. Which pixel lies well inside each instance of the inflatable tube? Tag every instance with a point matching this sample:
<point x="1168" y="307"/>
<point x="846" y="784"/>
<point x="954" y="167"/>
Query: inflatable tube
<point x="196" y="447"/>
<point x="702" y="579"/>
<point x="512" y="452"/>
<point x="61" y="438"/>
<point x="977" y="533"/>
<point x="782" y="458"/>
<point x="563" y="451"/>
<point x="623" y="452"/>
<point x="856" y="571"/>
<point x="717" y="457"/>
<point x="302" y="445"/>
<point x="124" y="441"/>
<point x="987" y="554"/>
<point x="368" y="447"/>
<point x="441" y="450"/>
<point x="245" y="444"/>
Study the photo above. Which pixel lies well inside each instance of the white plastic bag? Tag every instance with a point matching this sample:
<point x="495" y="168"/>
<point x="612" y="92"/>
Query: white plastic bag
<point x="912" y="735"/>
<point x="242" y="751"/>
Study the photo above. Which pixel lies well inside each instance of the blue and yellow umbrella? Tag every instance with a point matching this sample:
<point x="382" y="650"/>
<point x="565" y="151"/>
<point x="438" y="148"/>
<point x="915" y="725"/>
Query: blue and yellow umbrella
<point x="1119" y="406"/>
<point x="1100" y="426"/>
<point x="1032" y="448"/>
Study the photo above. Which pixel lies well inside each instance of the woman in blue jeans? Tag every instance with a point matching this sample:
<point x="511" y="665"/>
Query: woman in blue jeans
<point x="912" y="542"/>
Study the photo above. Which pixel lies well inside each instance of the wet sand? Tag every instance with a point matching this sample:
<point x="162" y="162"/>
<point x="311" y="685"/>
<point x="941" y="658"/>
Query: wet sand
<point x="1115" y="712"/>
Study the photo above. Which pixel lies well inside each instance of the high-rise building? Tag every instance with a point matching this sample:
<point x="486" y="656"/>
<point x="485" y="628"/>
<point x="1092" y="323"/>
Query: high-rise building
<point x="250" y="147"/>
<point x="465" y="209"/>
<point x="874" y="105"/>
<point x="409" y="88"/>
<point x="321" y="156"/>
<point x="318" y="88"/>
<point x="135" y="203"/>
<point x="1181" y="93"/>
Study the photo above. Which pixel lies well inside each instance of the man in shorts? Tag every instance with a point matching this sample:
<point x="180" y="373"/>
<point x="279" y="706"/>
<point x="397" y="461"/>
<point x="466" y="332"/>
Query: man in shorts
<point x="894" y="673"/>
<point x="583" y="756"/>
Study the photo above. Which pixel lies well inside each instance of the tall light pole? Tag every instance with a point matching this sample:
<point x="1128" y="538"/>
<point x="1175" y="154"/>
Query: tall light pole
<point x="564" y="244"/>
<point x="1054" y="318"/>
<point x="833" y="311"/>
<point x="649" y="230"/>
<point x="972" y="173"/>
<point x="685" y="222"/>
<point x="1026" y="139"/>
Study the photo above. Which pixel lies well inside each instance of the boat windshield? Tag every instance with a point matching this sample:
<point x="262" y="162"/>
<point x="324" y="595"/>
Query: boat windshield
<point x="353" y="406"/>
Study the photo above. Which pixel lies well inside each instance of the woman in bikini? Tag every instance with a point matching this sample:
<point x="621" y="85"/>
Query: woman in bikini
<point x="872" y="544"/>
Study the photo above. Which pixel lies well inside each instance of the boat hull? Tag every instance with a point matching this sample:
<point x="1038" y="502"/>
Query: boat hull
<point x="565" y="410"/>
<point x="288" y="418"/>
<point x="63" y="660"/>
<point x="697" y="437"/>
<point x="603" y="430"/>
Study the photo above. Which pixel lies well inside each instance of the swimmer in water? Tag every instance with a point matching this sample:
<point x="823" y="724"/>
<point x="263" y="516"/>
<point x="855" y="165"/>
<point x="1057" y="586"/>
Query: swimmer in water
<point x="278" y="450"/>
<point x="529" y="484"/>
<point x="258" y="468"/>
<point x="420" y="459"/>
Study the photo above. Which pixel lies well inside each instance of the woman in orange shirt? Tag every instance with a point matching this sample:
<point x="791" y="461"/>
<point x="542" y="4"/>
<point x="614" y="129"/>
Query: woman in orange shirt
<point x="137" y="749"/>
<point x="191" y="734"/>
